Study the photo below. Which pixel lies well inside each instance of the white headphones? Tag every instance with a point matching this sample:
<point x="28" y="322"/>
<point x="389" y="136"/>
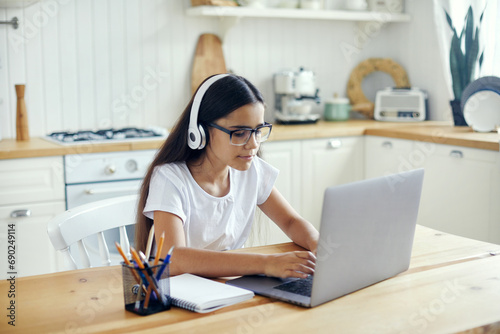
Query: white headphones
<point x="196" y="135"/>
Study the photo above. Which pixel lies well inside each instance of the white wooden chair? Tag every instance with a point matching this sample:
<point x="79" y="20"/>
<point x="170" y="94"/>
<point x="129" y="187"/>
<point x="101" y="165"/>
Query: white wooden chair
<point x="74" y="225"/>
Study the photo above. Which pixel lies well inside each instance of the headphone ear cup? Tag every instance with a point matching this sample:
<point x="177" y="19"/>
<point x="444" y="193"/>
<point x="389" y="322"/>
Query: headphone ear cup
<point x="203" y="137"/>
<point x="194" y="138"/>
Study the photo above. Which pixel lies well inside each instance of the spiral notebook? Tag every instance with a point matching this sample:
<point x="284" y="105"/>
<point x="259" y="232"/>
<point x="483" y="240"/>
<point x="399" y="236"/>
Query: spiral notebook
<point x="203" y="295"/>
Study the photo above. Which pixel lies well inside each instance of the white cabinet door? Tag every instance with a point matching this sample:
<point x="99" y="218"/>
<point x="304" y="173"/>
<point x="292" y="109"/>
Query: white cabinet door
<point x="32" y="250"/>
<point x="34" y="185"/>
<point x="284" y="155"/>
<point x="495" y="203"/>
<point x="459" y="193"/>
<point x="328" y="162"/>
<point x="385" y="156"/>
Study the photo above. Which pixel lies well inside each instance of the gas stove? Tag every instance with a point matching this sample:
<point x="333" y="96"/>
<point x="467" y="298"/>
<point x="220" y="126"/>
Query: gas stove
<point x="106" y="136"/>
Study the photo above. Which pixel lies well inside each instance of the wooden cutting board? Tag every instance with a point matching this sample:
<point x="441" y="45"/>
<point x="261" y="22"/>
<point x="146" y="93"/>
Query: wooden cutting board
<point x="208" y="60"/>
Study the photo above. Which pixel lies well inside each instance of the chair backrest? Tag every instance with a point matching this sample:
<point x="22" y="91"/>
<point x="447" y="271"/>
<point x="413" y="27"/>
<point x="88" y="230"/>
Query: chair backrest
<point x="74" y="225"/>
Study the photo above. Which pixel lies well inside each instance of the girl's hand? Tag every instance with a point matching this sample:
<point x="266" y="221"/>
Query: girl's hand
<point x="292" y="264"/>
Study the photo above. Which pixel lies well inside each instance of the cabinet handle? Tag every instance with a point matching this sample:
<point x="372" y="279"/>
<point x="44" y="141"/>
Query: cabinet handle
<point x="20" y="213"/>
<point x="387" y="144"/>
<point x="456" y="154"/>
<point x="100" y="191"/>
<point x="334" y="144"/>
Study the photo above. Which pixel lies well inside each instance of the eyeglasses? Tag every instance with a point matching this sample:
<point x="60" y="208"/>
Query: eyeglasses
<point x="241" y="136"/>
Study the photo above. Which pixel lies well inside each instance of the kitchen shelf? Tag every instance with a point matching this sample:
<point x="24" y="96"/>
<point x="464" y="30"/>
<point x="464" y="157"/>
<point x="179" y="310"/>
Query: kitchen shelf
<point x="290" y="13"/>
<point x="16" y="3"/>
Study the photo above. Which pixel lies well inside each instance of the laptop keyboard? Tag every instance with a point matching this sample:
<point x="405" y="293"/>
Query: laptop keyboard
<point x="301" y="287"/>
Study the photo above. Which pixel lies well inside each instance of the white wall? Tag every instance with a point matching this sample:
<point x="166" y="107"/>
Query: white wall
<point x="91" y="64"/>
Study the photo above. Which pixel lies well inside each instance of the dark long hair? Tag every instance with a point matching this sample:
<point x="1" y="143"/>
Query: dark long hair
<point x="222" y="97"/>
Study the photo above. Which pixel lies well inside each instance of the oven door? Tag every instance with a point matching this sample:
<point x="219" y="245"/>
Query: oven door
<point x="78" y="194"/>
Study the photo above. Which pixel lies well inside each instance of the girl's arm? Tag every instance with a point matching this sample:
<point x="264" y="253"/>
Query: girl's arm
<point x="219" y="264"/>
<point x="295" y="227"/>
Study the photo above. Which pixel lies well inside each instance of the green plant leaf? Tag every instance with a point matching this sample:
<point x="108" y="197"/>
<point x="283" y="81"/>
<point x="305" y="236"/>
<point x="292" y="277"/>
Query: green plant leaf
<point x="471" y="59"/>
<point x="469" y="52"/>
<point x="469" y="28"/>
<point x="464" y="52"/>
<point x="457" y="64"/>
<point x="450" y="22"/>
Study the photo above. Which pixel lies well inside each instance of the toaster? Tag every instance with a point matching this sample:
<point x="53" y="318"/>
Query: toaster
<point x="401" y="105"/>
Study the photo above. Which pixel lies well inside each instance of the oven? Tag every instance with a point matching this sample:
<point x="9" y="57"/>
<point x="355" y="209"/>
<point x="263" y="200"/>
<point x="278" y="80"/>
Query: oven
<point x="95" y="176"/>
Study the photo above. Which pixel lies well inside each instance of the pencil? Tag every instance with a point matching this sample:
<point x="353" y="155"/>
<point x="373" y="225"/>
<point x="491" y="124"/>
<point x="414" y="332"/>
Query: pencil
<point x="157" y="258"/>
<point x="160" y="246"/>
<point x="165" y="263"/>
<point x="150" y="242"/>
<point x="134" y="272"/>
<point x="147" y="274"/>
<point x="127" y="261"/>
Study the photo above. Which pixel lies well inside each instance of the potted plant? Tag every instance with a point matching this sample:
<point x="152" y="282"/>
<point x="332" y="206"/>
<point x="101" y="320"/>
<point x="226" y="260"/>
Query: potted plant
<point x="465" y="58"/>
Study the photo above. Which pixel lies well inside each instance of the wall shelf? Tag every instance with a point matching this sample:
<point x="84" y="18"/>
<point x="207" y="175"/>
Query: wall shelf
<point x="16" y="3"/>
<point x="287" y="13"/>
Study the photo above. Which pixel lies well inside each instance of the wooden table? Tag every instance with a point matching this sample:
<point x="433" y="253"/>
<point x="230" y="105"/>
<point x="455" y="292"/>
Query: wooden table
<point x="453" y="285"/>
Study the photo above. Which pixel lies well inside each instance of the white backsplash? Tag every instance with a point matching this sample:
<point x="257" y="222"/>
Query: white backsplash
<point x="90" y="64"/>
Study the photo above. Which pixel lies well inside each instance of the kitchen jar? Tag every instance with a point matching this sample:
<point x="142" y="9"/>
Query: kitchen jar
<point x="311" y="4"/>
<point x="337" y="109"/>
<point x="391" y="6"/>
<point x="356" y="5"/>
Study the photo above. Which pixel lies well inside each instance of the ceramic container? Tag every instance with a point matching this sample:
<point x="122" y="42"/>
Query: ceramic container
<point x="337" y="109"/>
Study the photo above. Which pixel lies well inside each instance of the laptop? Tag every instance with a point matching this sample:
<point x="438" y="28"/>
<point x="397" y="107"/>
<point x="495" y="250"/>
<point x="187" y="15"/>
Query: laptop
<point x="366" y="236"/>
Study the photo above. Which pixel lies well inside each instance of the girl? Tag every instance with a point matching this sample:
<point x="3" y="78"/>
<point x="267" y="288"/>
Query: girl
<point x="205" y="182"/>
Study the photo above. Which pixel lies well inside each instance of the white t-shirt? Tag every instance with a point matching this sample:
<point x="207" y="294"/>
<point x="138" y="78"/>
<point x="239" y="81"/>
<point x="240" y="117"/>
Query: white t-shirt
<point x="217" y="223"/>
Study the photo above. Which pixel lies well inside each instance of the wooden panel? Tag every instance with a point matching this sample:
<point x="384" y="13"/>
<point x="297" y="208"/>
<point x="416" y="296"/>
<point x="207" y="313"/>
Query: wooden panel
<point x="150" y="62"/>
<point x="35" y="70"/>
<point x="51" y="52"/>
<point x="101" y="36"/>
<point x="6" y="124"/>
<point x="86" y="73"/>
<point x="68" y="66"/>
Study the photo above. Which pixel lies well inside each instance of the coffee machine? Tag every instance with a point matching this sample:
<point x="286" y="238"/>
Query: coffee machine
<point x="295" y="95"/>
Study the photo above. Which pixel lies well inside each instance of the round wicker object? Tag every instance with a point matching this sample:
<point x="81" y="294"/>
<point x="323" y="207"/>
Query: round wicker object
<point x="355" y="93"/>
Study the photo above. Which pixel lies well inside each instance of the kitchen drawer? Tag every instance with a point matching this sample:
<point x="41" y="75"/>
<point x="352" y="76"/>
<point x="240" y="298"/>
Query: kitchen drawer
<point x="31" y="180"/>
<point x="115" y="166"/>
<point x="458" y="152"/>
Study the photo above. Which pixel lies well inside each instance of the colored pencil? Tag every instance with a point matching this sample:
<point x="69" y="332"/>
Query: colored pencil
<point x="147" y="274"/>
<point x="157" y="258"/>
<point x="150" y="242"/>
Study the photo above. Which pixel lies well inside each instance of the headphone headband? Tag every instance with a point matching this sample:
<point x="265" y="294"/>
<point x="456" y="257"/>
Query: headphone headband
<point x="196" y="134"/>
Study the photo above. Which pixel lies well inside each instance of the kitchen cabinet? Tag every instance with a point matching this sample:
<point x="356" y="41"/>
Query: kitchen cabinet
<point x="461" y="193"/>
<point x="387" y="156"/>
<point x="328" y="162"/>
<point x="461" y="188"/>
<point x="284" y="155"/>
<point x="307" y="167"/>
<point x="31" y="193"/>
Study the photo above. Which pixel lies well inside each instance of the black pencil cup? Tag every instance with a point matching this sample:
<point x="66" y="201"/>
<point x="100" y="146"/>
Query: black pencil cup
<point x="143" y="292"/>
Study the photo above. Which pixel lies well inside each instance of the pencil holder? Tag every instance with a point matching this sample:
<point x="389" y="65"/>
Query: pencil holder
<point x="146" y="291"/>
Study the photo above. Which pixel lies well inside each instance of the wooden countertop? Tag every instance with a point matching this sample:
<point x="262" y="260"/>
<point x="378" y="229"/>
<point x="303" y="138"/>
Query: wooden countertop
<point x="452" y="286"/>
<point x="431" y="131"/>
